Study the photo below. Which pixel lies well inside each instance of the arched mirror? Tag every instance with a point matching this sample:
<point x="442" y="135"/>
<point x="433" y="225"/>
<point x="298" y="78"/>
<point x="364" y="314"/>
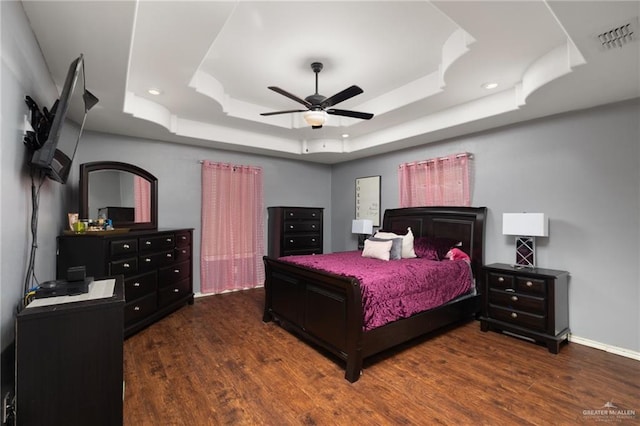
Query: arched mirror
<point x="124" y="193"/>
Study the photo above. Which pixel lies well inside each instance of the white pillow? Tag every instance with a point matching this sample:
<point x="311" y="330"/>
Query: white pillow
<point x="377" y="249"/>
<point x="407" y="242"/>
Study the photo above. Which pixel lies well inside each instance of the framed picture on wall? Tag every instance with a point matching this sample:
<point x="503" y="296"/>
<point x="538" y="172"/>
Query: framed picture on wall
<point x="368" y="199"/>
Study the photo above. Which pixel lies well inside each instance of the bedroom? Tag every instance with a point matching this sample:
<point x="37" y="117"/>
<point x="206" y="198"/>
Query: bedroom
<point x="586" y="172"/>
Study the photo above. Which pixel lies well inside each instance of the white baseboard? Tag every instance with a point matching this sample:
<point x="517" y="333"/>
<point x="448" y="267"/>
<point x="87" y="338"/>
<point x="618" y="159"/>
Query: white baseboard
<point x="604" y="347"/>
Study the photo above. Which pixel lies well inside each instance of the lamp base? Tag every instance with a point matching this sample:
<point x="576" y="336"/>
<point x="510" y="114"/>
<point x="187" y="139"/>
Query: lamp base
<point x="525" y="252"/>
<point x="361" y="238"/>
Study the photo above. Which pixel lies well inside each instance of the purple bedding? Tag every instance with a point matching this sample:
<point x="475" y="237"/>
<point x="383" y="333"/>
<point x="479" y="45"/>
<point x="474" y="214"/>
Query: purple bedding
<point x="395" y="289"/>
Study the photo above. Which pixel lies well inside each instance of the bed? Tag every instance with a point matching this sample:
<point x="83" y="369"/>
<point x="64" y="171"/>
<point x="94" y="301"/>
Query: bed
<point x="327" y="309"/>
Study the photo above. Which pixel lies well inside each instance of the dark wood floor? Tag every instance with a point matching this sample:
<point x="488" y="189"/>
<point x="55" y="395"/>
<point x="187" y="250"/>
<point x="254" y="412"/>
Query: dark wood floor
<point x="216" y="363"/>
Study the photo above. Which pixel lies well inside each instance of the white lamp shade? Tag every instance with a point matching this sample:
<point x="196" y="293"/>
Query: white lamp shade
<point x="525" y="224"/>
<point x="362" y="226"/>
<point x="315" y="118"/>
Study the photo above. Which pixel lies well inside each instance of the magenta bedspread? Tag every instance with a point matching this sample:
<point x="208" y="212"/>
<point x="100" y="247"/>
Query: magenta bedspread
<point x="395" y="289"/>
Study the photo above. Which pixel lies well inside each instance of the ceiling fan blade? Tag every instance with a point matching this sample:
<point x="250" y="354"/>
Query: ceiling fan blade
<point x="290" y="96"/>
<point x="353" y="114"/>
<point x="282" y="112"/>
<point x="347" y="93"/>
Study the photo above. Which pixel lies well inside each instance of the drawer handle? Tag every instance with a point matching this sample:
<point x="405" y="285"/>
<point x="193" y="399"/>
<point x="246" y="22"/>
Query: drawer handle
<point x="313" y="214"/>
<point x="147" y="259"/>
<point x="169" y="255"/>
<point x="147" y="243"/>
<point x="514" y="298"/>
<point x="176" y="290"/>
<point x="136" y="284"/>
<point x="510" y="290"/>
<point x="183" y="238"/>
<point x="514" y="315"/>
<point x="168" y="240"/>
<point x="313" y="227"/>
<point x="290" y="226"/>
<point x="290" y="241"/>
<point x="290" y="214"/>
<point x="177" y="271"/>
<point x="126" y="265"/>
<point x="136" y="308"/>
<point x="184" y="252"/>
<point x="126" y="246"/>
<point x="313" y="240"/>
<point x="500" y="279"/>
<point x="529" y="283"/>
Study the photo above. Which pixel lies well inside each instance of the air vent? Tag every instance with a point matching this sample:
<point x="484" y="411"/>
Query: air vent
<point x="619" y="35"/>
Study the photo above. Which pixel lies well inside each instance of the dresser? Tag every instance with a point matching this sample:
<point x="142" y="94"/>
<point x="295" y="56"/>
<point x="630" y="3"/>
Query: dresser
<point x="69" y="358"/>
<point x="530" y="302"/>
<point x="294" y="230"/>
<point x="156" y="265"/>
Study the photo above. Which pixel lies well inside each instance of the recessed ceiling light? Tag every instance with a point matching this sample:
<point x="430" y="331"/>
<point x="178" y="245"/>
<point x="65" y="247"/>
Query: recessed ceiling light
<point x="489" y="86"/>
<point x="154" y="91"/>
<point x="345" y="135"/>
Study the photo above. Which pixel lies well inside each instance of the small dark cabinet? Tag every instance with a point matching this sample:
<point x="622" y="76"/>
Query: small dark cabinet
<point x="530" y="302"/>
<point x="156" y="265"/>
<point x="294" y="230"/>
<point x="69" y="362"/>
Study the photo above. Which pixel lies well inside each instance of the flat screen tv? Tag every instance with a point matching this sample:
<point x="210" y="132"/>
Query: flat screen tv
<point x="55" y="156"/>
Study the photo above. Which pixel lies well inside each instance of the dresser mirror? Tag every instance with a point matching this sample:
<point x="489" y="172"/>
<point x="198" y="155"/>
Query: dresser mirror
<point x="121" y="192"/>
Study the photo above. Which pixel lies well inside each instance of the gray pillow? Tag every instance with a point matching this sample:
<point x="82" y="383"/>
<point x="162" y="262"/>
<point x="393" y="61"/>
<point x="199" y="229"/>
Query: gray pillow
<point x="396" y="247"/>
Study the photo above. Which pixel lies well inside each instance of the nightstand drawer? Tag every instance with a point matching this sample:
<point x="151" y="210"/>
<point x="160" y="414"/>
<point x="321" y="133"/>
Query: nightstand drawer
<point x="500" y="281"/>
<point x="520" y="302"/>
<point x="530" y="285"/>
<point x="519" y="318"/>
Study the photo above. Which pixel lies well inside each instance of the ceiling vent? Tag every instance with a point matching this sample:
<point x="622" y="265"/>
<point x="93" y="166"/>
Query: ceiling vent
<point x="620" y="35"/>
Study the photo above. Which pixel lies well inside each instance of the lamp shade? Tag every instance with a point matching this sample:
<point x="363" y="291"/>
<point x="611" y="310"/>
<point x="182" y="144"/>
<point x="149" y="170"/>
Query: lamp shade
<point x="315" y="118"/>
<point x="362" y="226"/>
<point x="526" y="224"/>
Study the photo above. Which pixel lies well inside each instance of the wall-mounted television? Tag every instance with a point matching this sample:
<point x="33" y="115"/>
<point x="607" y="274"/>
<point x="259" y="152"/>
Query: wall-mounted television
<point x="56" y="154"/>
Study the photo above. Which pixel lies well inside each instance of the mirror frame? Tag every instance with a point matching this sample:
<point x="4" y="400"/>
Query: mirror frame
<point x="87" y="168"/>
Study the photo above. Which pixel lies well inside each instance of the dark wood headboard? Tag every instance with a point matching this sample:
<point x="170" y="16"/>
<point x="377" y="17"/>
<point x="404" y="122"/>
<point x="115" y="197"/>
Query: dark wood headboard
<point x="465" y="224"/>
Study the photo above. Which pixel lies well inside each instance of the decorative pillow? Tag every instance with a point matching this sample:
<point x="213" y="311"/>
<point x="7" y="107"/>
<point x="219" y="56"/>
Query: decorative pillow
<point x="407" y="242"/>
<point x="457" y="254"/>
<point x="396" y="247"/>
<point x="377" y="249"/>
<point x="434" y="248"/>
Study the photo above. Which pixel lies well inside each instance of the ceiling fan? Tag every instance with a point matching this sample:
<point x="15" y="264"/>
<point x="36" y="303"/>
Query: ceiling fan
<point x="319" y="106"/>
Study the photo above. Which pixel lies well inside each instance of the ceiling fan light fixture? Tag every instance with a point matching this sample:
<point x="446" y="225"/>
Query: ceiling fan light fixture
<point x="315" y="118"/>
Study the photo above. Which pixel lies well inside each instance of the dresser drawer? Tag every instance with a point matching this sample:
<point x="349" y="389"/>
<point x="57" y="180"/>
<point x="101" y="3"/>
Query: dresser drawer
<point x="518" y="318"/>
<point x="182" y="253"/>
<point x="140" y="285"/>
<point x="530" y="285"/>
<point x="156" y="260"/>
<point x="301" y="226"/>
<point x="500" y="281"/>
<point x="174" y="273"/>
<point x="126" y="267"/>
<point x="157" y="242"/>
<point x="140" y="308"/>
<point x="296" y="213"/>
<point x="175" y="291"/>
<point x="520" y="302"/>
<point x="183" y="239"/>
<point x="121" y="247"/>
<point x="293" y="242"/>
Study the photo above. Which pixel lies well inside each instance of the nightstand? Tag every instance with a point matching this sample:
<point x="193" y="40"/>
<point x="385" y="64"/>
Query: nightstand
<point x="529" y="302"/>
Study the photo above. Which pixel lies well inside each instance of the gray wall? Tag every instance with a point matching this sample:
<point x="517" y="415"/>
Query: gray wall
<point x="583" y="170"/>
<point x="177" y="168"/>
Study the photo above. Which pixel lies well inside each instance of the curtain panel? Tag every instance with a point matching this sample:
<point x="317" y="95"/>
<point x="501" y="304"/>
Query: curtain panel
<point x="232" y="227"/>
<point x="142" y="196"/>
<point x="443" y="181"/>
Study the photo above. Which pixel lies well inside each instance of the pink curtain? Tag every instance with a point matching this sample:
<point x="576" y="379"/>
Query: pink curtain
<point x="142" y="195"/>
<point x="441" y="181"/>
<point x="232" y="228"/>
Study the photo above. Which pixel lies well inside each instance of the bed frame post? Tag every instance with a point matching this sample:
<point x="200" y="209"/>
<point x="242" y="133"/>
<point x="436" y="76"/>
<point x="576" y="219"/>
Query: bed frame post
<point x="355" y="323"/>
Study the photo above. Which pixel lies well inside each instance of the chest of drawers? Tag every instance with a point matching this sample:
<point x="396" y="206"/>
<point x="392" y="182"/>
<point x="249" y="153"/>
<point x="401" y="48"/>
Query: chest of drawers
<point x="156" y="265"/>
<point x="533" y="303"/>
<point x="294" y="230"/>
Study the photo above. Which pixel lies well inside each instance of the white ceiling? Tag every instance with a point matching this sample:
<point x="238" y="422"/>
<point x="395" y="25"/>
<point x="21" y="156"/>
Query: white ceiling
<point x="421" y="65"/>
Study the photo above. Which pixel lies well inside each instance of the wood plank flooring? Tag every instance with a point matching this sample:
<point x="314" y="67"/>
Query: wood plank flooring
<point x="217" y="363"/>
